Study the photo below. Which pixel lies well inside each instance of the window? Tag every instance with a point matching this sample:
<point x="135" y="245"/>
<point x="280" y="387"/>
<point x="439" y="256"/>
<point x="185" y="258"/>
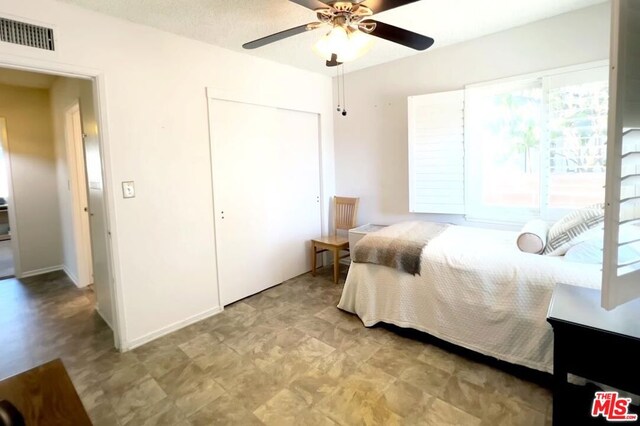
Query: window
<point x="577" y="142"/>
<point x="502" y="142"/>
<point x="536" y="147"/>
<point x="533" y="146"/>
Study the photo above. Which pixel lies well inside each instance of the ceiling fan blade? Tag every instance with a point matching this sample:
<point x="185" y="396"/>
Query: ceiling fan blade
<point x="279" y="36"/>
<point x="399" y="35"/>
<point x="310" y="4"/>
<point x="381" y="5"/>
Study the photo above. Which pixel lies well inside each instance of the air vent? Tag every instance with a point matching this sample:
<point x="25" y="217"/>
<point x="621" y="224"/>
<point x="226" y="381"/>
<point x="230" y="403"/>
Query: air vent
<point x="17" y="32"/>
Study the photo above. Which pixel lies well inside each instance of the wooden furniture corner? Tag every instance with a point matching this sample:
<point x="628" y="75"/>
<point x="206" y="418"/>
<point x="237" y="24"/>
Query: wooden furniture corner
<point x="345" y="211"/>
<point x="45" y="395"/>
<point x="593" y="343"/>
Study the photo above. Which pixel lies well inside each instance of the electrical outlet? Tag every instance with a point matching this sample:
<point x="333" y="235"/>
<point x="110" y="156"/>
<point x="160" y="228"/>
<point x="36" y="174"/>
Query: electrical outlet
<point x="128" y="189"/>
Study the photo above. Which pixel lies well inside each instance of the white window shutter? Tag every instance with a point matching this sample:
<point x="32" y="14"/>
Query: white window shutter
<point x="621" y="278"/>
<point x="436" y="153"/>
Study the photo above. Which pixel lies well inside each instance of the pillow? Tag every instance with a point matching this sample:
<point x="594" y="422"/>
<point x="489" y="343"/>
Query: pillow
<point x="590" y="251"/>
<point x="533" y="237"/>
<point x="566" y="232"/>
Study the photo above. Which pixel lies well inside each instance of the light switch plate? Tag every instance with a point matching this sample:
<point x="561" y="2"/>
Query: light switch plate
<point x="128" y="189"/>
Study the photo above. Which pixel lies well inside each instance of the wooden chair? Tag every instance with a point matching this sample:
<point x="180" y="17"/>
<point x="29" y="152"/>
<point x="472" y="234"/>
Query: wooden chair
<point x="345" y="210"/>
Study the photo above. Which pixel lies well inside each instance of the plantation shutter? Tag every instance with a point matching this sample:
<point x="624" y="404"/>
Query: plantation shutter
<point x="436" y="153"/>
<point x="621" y="278"/>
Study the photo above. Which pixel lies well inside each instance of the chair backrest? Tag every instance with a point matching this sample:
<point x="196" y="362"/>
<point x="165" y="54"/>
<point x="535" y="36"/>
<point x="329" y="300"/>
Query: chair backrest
<point x="345" y="213"/>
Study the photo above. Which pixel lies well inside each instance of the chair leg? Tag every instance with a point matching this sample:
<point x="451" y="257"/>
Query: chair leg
<point x="336" y="266"/>
<point x="313" y="259"/>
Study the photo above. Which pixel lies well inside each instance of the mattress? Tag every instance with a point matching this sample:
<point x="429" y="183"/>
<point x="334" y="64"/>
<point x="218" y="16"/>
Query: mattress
<point x="476" y="290"/>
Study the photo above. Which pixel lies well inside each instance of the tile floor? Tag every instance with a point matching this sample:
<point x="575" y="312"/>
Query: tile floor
<point x="286" y="356"/>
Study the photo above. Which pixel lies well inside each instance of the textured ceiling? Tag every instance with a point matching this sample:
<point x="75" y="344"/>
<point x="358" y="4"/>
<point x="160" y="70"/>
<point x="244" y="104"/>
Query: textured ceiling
<point x="230" y="23"/>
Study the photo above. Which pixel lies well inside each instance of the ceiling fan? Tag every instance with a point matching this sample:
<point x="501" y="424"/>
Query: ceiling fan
<point x="350" y="23"/>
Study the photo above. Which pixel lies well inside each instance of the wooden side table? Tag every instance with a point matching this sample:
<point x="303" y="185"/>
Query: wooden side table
<point x="593" y="343"/>
<point x="45" y="396"/>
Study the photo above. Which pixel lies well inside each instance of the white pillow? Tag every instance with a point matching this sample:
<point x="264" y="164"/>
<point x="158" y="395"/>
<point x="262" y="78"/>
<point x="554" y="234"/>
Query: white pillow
<point x="590" y="250"/>
<point x="533" y="237"/>
<point x="568" y="231"/>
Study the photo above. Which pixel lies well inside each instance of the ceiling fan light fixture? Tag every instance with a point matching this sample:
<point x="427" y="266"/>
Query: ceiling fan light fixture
<point x="334" y="42"/>
<point x="361" y="42"/>
<point x="345" y="42"/>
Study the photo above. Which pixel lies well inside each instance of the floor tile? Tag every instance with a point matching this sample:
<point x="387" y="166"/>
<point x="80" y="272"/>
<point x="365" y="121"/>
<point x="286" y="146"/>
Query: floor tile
<point x="136" y="396"/>
<point x="224" y="411"/>
<point x="405" y="399"/>
<point x="163" y="412"/>
<point x="314" y="385"/>
<point x="256" y="389"/>
<point x="502" y="410"/>
<point x="190" y="388"/>
<point x="442" y="414"/>
<point x="284" y="356"/>
<point x="287" y="408"/>
<point x="424" y="376"/>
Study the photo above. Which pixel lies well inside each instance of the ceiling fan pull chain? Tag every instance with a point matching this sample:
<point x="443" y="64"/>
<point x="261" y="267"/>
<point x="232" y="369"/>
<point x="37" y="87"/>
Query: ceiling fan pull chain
<point x="344" y="94"/>
<point x="338" y="80"/>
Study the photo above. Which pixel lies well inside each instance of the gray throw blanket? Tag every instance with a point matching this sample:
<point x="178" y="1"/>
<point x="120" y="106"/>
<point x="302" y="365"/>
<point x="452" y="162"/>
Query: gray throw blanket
<point x="397" y="246"/>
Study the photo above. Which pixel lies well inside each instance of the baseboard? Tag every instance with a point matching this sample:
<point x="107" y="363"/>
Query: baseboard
<point x="72" y="277"/>
<point x="132" y="344"/>
<point x="41" y="271"/>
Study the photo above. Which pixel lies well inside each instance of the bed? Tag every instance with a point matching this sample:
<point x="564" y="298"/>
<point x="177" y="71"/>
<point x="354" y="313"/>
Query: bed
<point x="475" y="289"/>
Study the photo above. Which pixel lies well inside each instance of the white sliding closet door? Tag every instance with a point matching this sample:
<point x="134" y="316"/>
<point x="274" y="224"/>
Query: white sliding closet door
<point x="266" y="185"/>
<point x="300" y="190"/>
<point x="246" y="220"/>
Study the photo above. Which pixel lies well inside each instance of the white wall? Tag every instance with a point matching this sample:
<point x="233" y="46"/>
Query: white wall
<point x="371" y="142"/>
<point x="157" y="136"/>
<point x="33" y="170"/>
<point x="64" y="93"/>
<point x="61" y="97"/>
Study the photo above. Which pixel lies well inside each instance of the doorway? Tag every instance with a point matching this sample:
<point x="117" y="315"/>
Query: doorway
<point x="7" y="269"/>
<point x="56" y="203"/>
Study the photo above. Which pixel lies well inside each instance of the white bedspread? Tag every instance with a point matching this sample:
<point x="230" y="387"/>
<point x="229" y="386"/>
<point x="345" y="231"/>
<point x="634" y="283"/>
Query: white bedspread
<point x="476" y="290"/>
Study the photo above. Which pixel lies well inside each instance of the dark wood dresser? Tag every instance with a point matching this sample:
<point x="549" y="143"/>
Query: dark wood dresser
<point x="45" y="396"/>
<point x="593" y="343"/>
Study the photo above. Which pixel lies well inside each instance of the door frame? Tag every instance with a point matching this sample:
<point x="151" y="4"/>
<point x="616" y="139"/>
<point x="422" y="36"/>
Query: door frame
<point x="98" y="79"/>
<point x="11" y="208"/>
<point x="78" y="181"/>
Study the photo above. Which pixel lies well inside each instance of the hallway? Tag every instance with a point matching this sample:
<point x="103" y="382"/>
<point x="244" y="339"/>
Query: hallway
<point x="47" y="317"/>
<point x="6" y="259"/>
